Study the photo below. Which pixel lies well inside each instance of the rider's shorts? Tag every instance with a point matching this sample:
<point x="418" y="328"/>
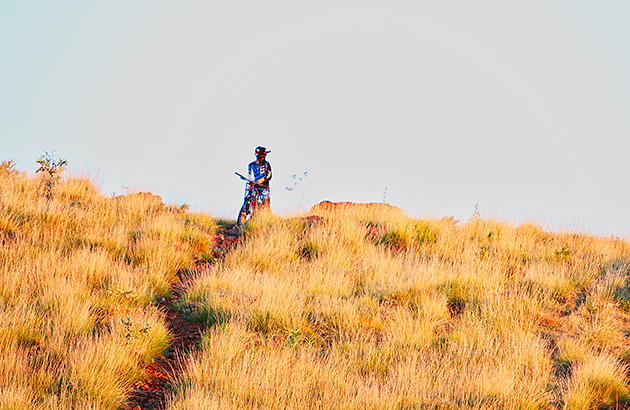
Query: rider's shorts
<point x="263" y="193"/>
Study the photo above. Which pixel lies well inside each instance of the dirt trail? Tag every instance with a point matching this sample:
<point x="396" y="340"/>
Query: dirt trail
<point x="151" y="394"/>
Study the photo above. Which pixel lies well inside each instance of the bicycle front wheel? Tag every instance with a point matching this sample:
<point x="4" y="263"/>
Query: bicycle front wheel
<point x="246" y="212"/>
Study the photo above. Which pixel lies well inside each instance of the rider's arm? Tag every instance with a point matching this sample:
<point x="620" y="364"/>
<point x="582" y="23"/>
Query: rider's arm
<point x="264" y="180"/>
<point x="251" y="173"/>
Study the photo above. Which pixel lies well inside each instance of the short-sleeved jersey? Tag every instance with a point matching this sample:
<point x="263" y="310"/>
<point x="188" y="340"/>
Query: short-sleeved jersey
<point x="257" y="172"/>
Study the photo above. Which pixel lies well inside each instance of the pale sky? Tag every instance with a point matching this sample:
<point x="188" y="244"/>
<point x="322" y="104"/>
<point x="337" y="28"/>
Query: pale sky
<point x="433" y="106"/>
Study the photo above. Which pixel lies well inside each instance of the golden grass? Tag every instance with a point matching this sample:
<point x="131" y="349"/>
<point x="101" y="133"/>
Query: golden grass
<point x="370" y="309"/>
<point x="363" y="309"/>
<point x="78" y="275"/>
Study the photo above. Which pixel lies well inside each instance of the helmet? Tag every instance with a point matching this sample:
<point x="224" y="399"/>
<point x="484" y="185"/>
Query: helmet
<point x="261" y="151"/>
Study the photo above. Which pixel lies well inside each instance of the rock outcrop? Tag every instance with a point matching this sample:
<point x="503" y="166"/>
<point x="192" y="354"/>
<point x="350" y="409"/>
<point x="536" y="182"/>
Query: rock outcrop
<point x="328" y="206"/>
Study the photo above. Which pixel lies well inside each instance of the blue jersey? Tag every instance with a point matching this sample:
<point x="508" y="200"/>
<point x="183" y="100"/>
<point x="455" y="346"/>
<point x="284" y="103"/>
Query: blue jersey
<point x="262" y="171"/>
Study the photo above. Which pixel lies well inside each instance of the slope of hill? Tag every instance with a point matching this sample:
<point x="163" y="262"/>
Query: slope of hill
<point x="78" y="275"/>
<point x="351" y="307"/>
<point x="365" y="308"/>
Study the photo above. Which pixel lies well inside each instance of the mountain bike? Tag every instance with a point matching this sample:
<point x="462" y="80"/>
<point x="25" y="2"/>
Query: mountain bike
<point x="250" y="204"/>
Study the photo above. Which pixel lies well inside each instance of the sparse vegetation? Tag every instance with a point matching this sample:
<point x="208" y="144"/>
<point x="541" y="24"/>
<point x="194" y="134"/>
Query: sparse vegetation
<point x="298" y="180"/>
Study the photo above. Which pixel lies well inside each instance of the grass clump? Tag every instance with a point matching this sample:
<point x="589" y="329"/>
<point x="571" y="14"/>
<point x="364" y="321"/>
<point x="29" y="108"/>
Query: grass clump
<point x="597" y="382"/>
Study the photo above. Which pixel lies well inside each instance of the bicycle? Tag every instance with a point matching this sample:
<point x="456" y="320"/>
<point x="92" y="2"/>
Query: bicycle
<point x="250" y="204"/>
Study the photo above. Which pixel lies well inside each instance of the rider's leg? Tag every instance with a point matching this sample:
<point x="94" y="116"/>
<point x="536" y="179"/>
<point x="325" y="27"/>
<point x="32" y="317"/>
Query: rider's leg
<point x="265" y="203"/>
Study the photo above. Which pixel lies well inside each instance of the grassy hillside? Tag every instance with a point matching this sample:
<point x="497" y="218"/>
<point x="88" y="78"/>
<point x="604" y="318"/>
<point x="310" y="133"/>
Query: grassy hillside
<point x="369" y="309"/>
<point x="78" y="274"/>
<point x="357" y="308"/>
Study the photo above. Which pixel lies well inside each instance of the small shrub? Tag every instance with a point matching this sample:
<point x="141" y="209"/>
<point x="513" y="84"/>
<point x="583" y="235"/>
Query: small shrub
<point x="396" y="240"/>
<point x="562" y="253"/>
<point x="423" y="234"/>
<point x="299" y="337"/>
<point x="52" y="170"/>
<point x="7" y="168"/>
<point x="309" y="250"/>
<point x="459" y="296"/>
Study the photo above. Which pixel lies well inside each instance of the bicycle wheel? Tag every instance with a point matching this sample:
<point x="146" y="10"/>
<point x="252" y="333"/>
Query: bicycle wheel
<point x="246" y="211"/>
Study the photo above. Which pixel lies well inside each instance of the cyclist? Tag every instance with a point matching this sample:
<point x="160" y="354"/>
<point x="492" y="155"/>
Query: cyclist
<point x="260" y="173"/>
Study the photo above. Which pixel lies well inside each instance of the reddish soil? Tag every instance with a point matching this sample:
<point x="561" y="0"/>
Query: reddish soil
<point x="151" y="394"/>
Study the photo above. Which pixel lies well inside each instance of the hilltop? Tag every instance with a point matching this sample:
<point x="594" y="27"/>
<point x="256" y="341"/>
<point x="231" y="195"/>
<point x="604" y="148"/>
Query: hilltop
<point x="346" y="307"/>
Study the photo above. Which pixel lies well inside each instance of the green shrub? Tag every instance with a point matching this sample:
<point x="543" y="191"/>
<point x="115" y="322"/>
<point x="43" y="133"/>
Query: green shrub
<point x="395" y="240"/>
<point x="52" y="170"/>
<point x="309" y="250"/>
<point x="423" y="234"/>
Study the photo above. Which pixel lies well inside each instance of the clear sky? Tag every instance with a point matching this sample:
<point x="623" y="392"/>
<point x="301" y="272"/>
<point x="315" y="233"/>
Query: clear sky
<point x="434" y="106"/>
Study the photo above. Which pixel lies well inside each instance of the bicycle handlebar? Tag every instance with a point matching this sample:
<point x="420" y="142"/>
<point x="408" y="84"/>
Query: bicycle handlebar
<point x="246" y="179"/>
<point x="243" y="178"/>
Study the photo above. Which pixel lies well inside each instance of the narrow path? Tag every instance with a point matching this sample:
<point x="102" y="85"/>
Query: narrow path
<point x="151" y="394"/>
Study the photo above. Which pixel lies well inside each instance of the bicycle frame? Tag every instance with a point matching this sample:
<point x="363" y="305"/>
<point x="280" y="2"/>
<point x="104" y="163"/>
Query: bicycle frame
<point x="250" y="203"/>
